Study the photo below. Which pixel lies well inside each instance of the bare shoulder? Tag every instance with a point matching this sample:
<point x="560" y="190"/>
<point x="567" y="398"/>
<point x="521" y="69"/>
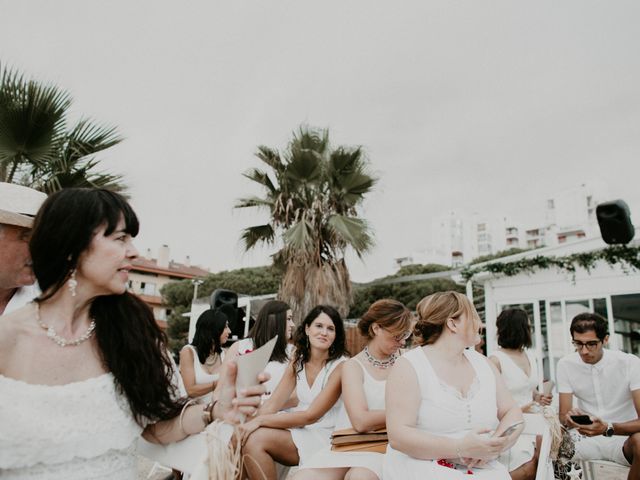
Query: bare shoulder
<point x="15" y="326"/>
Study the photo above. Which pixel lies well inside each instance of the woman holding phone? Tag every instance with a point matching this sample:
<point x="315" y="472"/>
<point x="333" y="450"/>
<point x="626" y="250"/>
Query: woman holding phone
<point x="444" y="400"/>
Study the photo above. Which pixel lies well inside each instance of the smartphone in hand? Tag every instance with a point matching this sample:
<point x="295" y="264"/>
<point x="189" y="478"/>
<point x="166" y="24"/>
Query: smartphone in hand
<point x="511" y="429"/>
<point x="581" y="419"/>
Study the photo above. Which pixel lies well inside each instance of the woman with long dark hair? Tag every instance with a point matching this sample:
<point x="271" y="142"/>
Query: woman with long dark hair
<point x="201" y="360"/>
<point x="84" y="368"/>
<point x="274" y="318"/>
<point x="314" y="373"/>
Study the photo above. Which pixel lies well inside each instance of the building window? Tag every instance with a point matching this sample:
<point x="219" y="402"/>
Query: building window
<point x="482" y="227"/>
<point x="148" y="288"/>
<point x="551" y="204"/>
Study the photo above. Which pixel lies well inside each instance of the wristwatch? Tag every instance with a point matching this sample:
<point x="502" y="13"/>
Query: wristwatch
<point x="609" y="431"/>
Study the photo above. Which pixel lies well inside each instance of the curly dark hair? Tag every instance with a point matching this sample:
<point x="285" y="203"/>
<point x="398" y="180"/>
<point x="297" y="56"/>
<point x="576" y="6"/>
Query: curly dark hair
<point x="132" y="346"/>
<point x="303" y="351"/>
<point x="272" y="321"/>
<point x="513" y="327"/>
<point x="209" y="328"/>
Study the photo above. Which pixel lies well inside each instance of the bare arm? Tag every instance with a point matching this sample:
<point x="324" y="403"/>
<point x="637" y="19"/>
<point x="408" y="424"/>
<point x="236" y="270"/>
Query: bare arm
<point x="496" y="362"/>
<point x="189" y="375"/>
<point x="281" y="396"/>
<point x="320" y="405"/>
<point x="508" y="411"/>
<point x="228" y="407"/>
<point x="599" y="426"/>
<point x="362" y="419"/>
<point x="403" y="401"/>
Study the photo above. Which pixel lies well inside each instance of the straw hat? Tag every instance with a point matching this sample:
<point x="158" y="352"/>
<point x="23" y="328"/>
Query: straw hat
<point x="18" y="204"/>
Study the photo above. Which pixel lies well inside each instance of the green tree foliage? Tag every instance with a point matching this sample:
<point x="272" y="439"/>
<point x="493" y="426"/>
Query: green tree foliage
<point x="409" y="293"/>
<point x="312" y="192"/>
<point x="36" y="146"/>
<point x="178" y="295"/>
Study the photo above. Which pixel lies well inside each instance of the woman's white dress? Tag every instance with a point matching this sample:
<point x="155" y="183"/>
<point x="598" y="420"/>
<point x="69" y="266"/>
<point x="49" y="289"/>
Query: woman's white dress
<point x="374" y="394"/>
<point x="201" y="375"/>
<point x="78" y="431"/>
<point x="521" y="386"/>
<point x="313" y="438"/>
<point x="445" y="412"/>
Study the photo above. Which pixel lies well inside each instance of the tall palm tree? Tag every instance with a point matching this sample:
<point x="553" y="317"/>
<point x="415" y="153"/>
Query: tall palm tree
<point x="37" y="148"/>
<point x="312" y="192"/>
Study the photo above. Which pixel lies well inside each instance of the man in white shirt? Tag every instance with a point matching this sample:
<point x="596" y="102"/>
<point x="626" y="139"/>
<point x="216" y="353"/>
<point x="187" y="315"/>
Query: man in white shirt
<point x="606" y="385"/>
<point x="18" y="206"/>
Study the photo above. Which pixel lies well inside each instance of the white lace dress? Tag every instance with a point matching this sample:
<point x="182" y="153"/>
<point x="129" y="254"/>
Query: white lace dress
<point x="445" y="412"/>
<point x="78" y="431"/>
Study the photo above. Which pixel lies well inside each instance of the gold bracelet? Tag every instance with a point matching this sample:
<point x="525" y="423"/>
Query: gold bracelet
<point x="184" y="409"/>
<point x="207" y="412"/>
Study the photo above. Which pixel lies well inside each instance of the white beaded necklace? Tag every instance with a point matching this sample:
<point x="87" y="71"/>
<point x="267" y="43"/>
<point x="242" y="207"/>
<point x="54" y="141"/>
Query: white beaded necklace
<point x="61" y="341"/>
<point x="384" y="364"/>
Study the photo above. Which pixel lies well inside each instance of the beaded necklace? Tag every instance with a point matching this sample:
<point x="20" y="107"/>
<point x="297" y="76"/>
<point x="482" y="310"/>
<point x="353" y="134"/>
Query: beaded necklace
<point x="61" y="341"/>
<point x="384" y="364"/>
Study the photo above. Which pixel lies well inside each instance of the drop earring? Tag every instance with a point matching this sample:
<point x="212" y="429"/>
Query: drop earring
<point x="72" y="283"/>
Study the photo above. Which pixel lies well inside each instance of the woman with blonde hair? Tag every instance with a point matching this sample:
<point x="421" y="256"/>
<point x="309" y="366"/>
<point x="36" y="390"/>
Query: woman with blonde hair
<point x="443" y="399"/>
<point x="387" y="324"/>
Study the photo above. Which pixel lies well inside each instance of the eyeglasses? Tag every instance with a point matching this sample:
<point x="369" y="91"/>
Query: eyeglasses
<point x="400" y="337"/>
<point x="592" y="345"/>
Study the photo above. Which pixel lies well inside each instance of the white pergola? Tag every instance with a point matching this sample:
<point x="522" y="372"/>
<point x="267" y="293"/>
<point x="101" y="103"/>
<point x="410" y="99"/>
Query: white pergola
<point x="557" y="297"/>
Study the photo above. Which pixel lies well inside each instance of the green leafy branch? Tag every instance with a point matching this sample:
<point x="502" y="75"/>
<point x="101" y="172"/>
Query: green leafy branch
<point x="626" y="256"/>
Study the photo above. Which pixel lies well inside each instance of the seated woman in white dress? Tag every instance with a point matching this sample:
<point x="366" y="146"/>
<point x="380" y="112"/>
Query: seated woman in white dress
<point x="84" y="368"/>
<point x="201" y="360"/>
<point x="274" y="318"/>
<point x="387" y="324"/>
<point x="519" y="370"/>
<point x="314" y="373"/>
<point x="444" y="400"/>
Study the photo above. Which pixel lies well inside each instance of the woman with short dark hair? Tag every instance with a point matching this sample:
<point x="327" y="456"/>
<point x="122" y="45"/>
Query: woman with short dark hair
<point x="84" y="369"/>
<point x="201" y="360"/>
<point x="519" y="369"/>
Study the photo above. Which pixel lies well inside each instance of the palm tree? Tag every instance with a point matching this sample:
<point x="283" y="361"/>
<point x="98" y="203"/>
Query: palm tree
<point x="37" y="149"/>
<point x="312" y="192"/>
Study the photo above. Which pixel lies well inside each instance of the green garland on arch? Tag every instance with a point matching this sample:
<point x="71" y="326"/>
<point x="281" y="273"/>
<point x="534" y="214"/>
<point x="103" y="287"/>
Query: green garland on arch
<point x="628" y="257"/>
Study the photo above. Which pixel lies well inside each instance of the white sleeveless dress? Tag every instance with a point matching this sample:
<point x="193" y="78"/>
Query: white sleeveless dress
<point x="374" y="394"/>
<point x="202" y="376"/>
<point x="444" y="412"/>
<point x="313" y="438"/>
<point x="520" y="385"/>
<point x="78" y="431"/>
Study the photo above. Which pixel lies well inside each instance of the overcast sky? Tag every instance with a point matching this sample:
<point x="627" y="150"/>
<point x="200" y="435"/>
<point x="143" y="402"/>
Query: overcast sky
<point x="483" y="106"/>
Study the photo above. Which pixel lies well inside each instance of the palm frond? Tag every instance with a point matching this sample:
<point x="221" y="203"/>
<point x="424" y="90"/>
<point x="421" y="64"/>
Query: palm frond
<point x="271" y="157"/>
<point x="353" y="231"/>
<point x="261" y="177"/>
<point x="305" y="167"/>
<point x="256" y="234"/>
<point x="87" y="138"/>
<point x="253" y="202"/>
<point x="298" y="237"/>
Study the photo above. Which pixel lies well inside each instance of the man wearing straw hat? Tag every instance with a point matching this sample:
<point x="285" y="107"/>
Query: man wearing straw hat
<point x="18" y="206"/>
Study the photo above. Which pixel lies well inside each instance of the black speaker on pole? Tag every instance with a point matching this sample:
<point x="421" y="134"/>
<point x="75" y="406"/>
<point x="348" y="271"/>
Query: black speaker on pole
<point x="615" y="224"/>
<point x="227" y="302"/>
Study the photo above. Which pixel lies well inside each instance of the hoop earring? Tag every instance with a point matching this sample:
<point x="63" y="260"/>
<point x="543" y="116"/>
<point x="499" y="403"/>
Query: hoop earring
<point x="72" y="283"/>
